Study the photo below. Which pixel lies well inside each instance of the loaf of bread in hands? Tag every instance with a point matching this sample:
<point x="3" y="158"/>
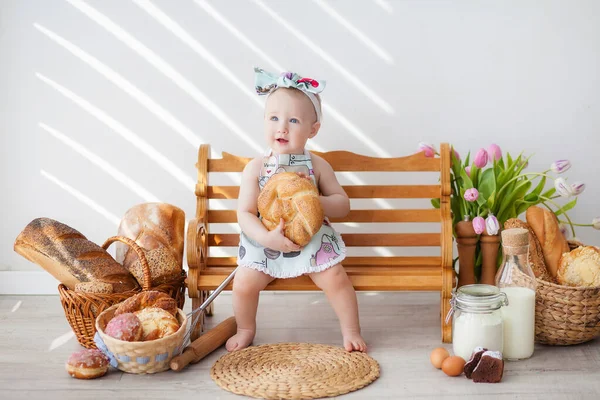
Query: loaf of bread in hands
<point x="70" y="257"/>
<point x="295" y="199"/>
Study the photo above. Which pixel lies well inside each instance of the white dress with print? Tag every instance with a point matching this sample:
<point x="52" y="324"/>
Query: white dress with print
<point x="325" y="249"/>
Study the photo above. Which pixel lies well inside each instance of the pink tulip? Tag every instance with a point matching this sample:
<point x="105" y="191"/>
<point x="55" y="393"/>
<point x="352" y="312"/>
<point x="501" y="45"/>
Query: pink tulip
<point x="578" y="188"/>
<point x="428" y="149"/>
<point x="481" y="158"/>
<point x="468" y="170"/>
<point x="596" y="223"/>
<point x="456" y="154"/>
<point x="492" y="225"/>
<point x="560" y="166"/>
<point x="494" y="152"/>
<point x="562" y="188"/>
<point x="478" y="225"/>
<point x="471" y="194"/>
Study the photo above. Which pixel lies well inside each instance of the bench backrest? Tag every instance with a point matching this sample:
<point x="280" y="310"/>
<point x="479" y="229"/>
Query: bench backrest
<point x="342" y="161"/>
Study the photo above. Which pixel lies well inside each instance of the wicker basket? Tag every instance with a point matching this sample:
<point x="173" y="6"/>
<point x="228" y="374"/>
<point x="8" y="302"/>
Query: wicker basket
<point x="566" y="315"/>
<point x="82" y="309"/>
<point x="140" y="357"/>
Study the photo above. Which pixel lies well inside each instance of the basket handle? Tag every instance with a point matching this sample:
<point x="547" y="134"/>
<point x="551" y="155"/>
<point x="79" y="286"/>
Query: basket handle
<point x="138" y="251"/>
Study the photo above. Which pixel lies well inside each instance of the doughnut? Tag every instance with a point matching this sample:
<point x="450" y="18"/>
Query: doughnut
<point x="87" y="364"/>
<point x="125" y="327"/>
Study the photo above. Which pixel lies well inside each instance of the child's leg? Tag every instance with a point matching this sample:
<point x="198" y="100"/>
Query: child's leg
<point x="247" y="285"/>
<point x="338" y="289"/>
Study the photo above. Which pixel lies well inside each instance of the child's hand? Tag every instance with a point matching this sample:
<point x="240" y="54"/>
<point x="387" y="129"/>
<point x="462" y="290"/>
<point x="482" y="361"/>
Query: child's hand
<point x="303" y="175"/>
<point x="277" y="241"/>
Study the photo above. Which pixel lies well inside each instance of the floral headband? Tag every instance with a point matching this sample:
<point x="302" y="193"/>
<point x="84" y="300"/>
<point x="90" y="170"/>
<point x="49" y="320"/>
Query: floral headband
<point x="266" y="83"/>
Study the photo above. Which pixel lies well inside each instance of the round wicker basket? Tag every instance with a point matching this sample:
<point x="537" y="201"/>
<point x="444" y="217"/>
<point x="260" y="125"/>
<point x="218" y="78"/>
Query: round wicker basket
<point x="141" y="357"/>
<point x="566" y="315"/>
<point x="82" y="309"/>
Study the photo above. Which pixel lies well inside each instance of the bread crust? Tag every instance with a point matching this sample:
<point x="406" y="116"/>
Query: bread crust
<point x="295" y="199"/>
<point x="545" y="226"/>
<point x="580" y="267"/>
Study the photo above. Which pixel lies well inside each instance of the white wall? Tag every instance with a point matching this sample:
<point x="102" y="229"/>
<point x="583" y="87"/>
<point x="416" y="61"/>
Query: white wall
<point x="140" y="96"/>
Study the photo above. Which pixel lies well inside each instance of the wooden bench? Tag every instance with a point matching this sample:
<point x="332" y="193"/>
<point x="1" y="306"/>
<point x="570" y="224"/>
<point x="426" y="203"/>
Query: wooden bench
<point x="376" y="273"/>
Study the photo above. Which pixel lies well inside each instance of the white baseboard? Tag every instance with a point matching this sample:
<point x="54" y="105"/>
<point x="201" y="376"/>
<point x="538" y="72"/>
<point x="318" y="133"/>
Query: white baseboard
<point x="27" y="282"/>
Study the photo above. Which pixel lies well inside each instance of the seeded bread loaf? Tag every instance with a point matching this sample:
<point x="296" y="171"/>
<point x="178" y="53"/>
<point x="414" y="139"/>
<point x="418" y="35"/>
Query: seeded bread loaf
<point x="158" y="228"/>
<point x="66" y="254"/>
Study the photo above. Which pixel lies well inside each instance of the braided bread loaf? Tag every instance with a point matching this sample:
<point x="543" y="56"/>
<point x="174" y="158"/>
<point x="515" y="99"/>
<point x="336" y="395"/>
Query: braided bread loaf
<point x="295" y="199"/>
<point x="152" y="298"/>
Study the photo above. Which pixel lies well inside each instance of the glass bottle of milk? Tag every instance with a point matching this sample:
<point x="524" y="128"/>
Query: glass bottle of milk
<point x="517" y="280"/>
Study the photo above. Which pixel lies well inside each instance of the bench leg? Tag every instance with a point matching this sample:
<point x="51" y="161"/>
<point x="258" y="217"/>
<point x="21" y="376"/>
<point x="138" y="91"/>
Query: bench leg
<point x="445" y="296"/>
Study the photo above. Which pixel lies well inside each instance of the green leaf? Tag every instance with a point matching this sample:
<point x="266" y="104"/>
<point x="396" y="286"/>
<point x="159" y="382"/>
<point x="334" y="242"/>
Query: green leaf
<point x="466" y="181"/>
<point x="468" y="158"/>
<point x="566" y="207"/>
<point x="509" y="158"/>
<point x="509" y="198"/>
<point x="487" y="183"/>
<point x="549" y="193"/>
<point x="491" y="200"/>
<point x="540" y="186"/>
<point x="435" y="203"/>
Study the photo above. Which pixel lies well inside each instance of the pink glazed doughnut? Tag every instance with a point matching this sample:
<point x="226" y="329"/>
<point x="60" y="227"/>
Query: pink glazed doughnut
<point x="125" y="327"/>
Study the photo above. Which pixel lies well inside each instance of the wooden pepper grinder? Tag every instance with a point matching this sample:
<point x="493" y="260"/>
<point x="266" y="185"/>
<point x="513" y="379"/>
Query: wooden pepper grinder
<point x="489" y="251"/>
<point x="466" y="242"/>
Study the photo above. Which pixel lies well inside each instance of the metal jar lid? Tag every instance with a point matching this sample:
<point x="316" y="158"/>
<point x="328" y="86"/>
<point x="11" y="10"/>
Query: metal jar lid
<point x="477" y="298"/>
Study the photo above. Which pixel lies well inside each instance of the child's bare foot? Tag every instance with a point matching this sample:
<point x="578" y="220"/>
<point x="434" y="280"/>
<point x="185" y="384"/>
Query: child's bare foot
<point x="240" y="340"/>
<point x="353" y="341"/>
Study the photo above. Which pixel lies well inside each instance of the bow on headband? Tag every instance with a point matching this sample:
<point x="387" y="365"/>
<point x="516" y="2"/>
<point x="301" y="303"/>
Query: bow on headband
<point x="266" y="82"/>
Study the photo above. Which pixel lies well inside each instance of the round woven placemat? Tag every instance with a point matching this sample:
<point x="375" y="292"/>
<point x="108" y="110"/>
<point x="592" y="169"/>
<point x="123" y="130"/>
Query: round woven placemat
<point x="294" y="371"/>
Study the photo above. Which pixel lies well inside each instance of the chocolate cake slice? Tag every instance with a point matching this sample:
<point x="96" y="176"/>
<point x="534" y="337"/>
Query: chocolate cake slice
<point x="490" y="368"/>
<point x="473" y="361"/>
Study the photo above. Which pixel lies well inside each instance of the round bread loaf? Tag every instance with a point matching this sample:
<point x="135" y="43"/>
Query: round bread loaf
<point x="295" y="199"/>
<point x="580" y="267"/>
<point x="151" y="298"/>
<point x="156" y="323"/>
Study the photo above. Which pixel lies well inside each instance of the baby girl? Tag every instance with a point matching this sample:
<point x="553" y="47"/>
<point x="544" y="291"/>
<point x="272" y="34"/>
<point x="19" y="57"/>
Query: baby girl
<point x="292" y="116"/>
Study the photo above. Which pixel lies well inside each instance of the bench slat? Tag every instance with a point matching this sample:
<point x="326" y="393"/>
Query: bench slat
<point x="351" y="239"/>
<point x="353" y="192"/>
<point x="418" y="215"/>
<point x="351" y="261"/>
<point x="381" y="282"/>
<point x="342" y="161"/>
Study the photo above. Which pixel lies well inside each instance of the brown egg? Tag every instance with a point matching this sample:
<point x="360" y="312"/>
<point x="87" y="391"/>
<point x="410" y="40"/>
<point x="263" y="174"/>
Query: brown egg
<point x="453" y="366"/>
<point x="438" y="356"/>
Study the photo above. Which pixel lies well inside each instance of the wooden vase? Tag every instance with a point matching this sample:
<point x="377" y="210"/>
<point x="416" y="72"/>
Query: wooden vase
<point x="466" y="242"/>
<point x="489" y="252"/>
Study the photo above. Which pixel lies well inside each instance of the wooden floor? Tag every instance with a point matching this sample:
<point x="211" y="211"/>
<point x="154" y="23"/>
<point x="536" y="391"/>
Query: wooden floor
<point x="401" y="329"/>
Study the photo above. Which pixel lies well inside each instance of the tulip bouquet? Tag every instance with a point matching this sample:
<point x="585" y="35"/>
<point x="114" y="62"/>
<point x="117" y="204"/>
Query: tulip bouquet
<point x="491" y="189"/>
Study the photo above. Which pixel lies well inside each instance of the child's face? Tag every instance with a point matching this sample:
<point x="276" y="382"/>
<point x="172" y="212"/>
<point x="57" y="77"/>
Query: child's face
<point x="290" y="120"/>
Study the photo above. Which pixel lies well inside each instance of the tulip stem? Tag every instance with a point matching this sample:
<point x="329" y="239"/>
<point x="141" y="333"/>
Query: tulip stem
<point x="565" y="214"/>
<point x="517" y="177"/>
<point x="575" y="224"/>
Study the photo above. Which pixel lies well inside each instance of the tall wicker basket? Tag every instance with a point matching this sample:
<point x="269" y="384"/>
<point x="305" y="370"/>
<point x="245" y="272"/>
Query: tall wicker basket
<point x="566" y="315"/>
<point x="81" y="309"/>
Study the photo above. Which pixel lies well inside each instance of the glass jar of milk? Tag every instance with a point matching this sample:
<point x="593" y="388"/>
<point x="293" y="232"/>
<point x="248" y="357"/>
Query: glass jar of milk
<point x="477" y="319"/>
<point x="517" y="280"/>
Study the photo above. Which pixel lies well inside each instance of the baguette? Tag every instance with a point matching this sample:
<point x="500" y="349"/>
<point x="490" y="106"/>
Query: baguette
<point x="158" y="228"/>
<point x="66" y="254"/>
<point x="545" y="226"/>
